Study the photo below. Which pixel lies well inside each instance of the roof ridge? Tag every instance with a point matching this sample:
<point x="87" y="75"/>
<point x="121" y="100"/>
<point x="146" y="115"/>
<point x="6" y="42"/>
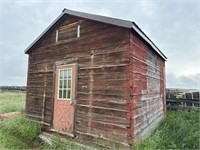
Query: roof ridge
<point x="105" y="19"/>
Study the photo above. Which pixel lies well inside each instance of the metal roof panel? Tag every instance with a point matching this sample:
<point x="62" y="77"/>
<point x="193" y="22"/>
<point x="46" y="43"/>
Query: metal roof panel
<point x="108" y="20"/>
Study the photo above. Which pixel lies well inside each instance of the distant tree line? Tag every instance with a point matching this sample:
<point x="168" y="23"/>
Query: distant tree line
<point x="13" y="88"/>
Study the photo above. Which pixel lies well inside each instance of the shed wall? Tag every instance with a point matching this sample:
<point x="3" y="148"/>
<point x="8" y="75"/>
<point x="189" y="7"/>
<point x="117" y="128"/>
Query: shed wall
<point x="102" y="52"/>
<point x="120" y="92"/>
<point x="147" y="86"/>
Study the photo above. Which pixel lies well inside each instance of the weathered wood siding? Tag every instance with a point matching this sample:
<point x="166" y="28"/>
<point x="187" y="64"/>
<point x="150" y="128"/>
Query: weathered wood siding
<point x="102" y="52"/>
<point x="121" y="82"/>
<point x="147" y="86"/>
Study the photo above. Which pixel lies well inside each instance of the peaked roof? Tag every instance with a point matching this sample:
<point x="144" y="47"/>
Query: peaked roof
<point x="108" y="20"/>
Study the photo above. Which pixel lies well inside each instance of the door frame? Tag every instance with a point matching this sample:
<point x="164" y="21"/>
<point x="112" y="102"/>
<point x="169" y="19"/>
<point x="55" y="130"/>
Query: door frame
<point x="66" y="62"/>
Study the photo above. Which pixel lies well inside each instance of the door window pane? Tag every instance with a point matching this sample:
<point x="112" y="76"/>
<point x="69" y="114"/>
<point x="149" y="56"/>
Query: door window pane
<point x="65" y="74"/>
<point x="69" y="93"/>
<point x="69" y="83"/>
<point x="64" y="93"/>
<point x="69" y="73"/>
<point x="60" y="84"/>
<point x="65" y="84"/>
<point x="60" y="93"/>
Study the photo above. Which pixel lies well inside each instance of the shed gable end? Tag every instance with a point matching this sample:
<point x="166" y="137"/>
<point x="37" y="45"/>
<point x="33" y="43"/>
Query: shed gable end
<point x="101" y="56"/>
<point x="66" y="31"/>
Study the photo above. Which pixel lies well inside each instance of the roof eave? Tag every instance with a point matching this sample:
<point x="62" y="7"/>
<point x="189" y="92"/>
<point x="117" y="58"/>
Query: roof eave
<point x="148" y="41"/>
<point x="43" y="33"/>
<point x="108" y="20"/>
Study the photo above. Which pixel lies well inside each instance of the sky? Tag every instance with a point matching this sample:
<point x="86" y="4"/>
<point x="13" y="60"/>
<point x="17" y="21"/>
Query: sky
<point x="174" y="26"/>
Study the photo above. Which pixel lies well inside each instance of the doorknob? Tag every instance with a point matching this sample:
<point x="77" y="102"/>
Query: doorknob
<point x="73" y="102"/>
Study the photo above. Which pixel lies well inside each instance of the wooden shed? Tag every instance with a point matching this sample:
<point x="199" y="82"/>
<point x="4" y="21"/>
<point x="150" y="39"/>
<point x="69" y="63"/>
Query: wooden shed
<point x="96" y="78"/>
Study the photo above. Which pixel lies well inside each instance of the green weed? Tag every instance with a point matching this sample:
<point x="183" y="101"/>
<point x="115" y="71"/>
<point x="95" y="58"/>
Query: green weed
<point x="19" y="133"/>
<point x="180" y="130"/>
<point x="12" y="101"/>
<point x="59" y="143"/>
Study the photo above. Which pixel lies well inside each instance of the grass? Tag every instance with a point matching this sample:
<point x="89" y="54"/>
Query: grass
<point x="62" y="144"/>
<point x="12" y="101"/>
<point x="180" y="130"/>
<point x="19" y="133"/>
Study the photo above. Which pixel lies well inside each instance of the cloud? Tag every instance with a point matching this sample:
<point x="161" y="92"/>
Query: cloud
<point x="183" y="81"/>
<point x="173" y="26"/>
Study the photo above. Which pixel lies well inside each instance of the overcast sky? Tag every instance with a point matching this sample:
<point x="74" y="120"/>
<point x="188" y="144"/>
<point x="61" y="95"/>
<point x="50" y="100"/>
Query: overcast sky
<point x="173" y="26"/>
